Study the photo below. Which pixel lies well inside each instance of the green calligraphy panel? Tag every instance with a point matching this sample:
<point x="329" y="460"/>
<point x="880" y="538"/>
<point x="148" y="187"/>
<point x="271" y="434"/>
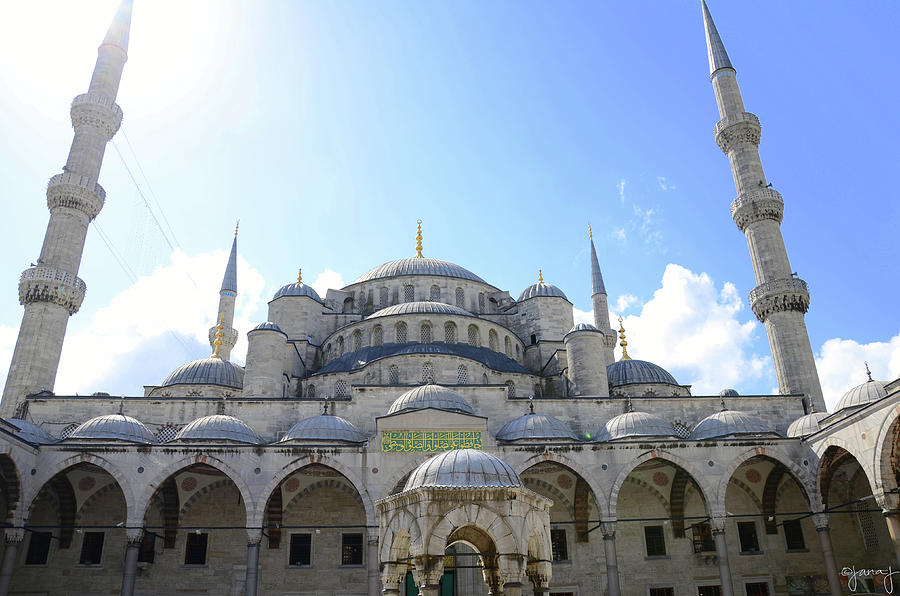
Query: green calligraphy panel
<point x="416" y="441"/>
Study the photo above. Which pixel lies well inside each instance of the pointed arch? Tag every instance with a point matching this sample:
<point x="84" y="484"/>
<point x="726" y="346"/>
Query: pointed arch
<point x="522" y="461"/>
<point x="887" y="452"/>
<point x="402" y="537"/>
<point x="803" y="477"/>
<point x="472" y="514"/>
<point x="706" y="489"/>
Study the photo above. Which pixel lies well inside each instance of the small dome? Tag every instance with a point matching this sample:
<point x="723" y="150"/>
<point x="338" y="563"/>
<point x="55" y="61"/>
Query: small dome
<point x="31" y="432"/>
<point x="413" y="308"/>
<point x="536" y="426"/>
<point x="114" y="426"/>
<point x="727" y="423"/>
<point x="543" y="290"/>
<point x="463" y="468"/>
<point x="207" y="371"/>
<point x="218" y="427"/>
<point x="324" y="427"/>
<point x="297" y="288"/>
<point x="268" y="326"/>
<point x="430" y="396"/>
<point x="806" y="425"/>
<point x="417" y="266"/>
<point x="624" y="372"/>
<point x="862" y="394"/>
<point x="635" y="424"/>
<point x="728" y="393"/>
<point x="583" y="327"/>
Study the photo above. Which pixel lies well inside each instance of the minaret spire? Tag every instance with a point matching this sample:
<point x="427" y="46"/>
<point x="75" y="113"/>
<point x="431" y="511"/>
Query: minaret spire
<point x="51" y="291"/>
<point x="601" y="305"/>
<point x="780" y="299"/>
<point x="227" y="297"/>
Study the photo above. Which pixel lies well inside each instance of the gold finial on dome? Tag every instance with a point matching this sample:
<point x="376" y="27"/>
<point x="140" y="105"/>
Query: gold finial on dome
<point x="540" y="276"/>
<point x="219" y="335"/>
<point x="419" y="239"/>
<point x="590" y="232"/>
<point x="299" y="276"/>
<point x="236" y="226"/>
<point x="623" y="343"/>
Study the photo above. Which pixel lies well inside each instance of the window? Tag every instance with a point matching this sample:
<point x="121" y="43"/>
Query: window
<point x="147" y="552"/>
<point x="655" y="541"/>
<point x="517" y="351"/>
<point x="311" y="390"/>
<point x="393" y="375"/>
<point x="400" y="333"/>
<point x="435" y="293"/>
<point x="377" y="335"/>
<point x="301" y="550"/>
<point x="356" y="340"/>
<point x="427" y="373"/>
<point x="67" y="431"/>
<point x="533" y="339"/>
<point x="681" y="430"/>
<point x="507" y="346"/>
<point x="351" y="549"/>
<point x="409" y="293"/>
<point x="383" y="297"/>
<point x="492" y="340"/>
<point x="340" y="346"/>
<point x="558" y="544"/>
<point x="370" y="298"/>
<point x="341" y="389"/>
<point x="709" y="591"/>
<point x="793" y="535"/>
<point x="38" y="548"/>
<point x="425" y="333"/>
<point x="703" y="540"/>
<point x="474" y="336"/>
<point x="462" y="375"/>
<point x="91" y="548"/>
<point x="747" y="534"/>
<point x="480" y="302"/>
<point x="662" y="591"/>
<point x="460" y="298"/>
<point x="166" y="434"/>
<point x="450" y="333"/>
<point x="757" y="589"/>
<point x="195" y="549"/>
<point x="510" y="389"/>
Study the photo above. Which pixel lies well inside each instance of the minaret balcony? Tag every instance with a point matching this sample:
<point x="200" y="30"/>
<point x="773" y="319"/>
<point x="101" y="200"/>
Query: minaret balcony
<point x="46" y="283"/>
<point x="98" y="111"/>
<point x="779" y="295"/>
<point x="75" y="191"/>
<point x="756" y="205"/>
<point x="737" y="129"/>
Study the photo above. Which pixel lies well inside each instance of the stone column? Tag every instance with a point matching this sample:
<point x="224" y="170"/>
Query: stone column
<point x="540" y="574"/>
<point x="512" y="569"/>
<point x="14" y="538"/>
<point x="392" y="576"/>
<point x="428" y="572"/>
<point x="494" y="581"/>
<point x="132" y="551"/>
<point x="372" y="562"/>
<point x="892" y="517"/>
<point x="824" y="532"/>
<point x="252" y="582"/>
<point x="609" y="549"/>
<point x="718" y="532"/>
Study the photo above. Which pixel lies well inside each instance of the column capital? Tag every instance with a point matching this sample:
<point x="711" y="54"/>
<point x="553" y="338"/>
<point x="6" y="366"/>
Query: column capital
<point x="717" y="522"/>
<point x="608" y="528"/>
<point x="392" y="574"/>
<point x="134" y="535"/>
<point x="14" y="535"/>
<point x="254" y="536"/>
<point x="821" y="521"/>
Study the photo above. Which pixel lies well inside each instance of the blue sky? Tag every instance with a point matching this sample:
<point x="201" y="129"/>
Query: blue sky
<point x="328" y="128"/>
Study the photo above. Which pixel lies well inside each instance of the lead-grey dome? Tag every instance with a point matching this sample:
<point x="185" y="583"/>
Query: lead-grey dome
<point x="536" y="426"/>
<point x="624" y="372"/>
<point x="31" y="432"/>
<point x="413" y="308"/>
<point x="727" y="423"/>
<point x="463" y="468"/>
<point x="117" y="427"/>
<point x="806" y="425"/>
<point x="417" y="266"/>
<point x="729" y="393"/>
<point x="207" y="371"/>
<point x="541" y="289"/>
<point x="324" y="427"/>
<point x="635" y="424"/>
<point x="862" y="394"/>
<point x="298" y="288"/>
<point x="218" y="427"/>
<point x="268" y="326"/>
<point x="430" y="396"/>
<point x="583" y="327"/>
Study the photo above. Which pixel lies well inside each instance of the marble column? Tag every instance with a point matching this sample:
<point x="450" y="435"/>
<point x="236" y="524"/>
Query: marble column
<point x="392" y="576"/>
<point x="608" y="528"/>
<point x="540" y="573"/>
<point x="372" y="562"/>
<point x="132" y="552"/>
<point x="892" y="517"/>
<point x="13" y="538"/>
<point x="428" y="572"/>
<point x="493" y="581"/>
<point x="718" y="532"/>
<point x="251" y="584"/>
<point x="824" y="532"/>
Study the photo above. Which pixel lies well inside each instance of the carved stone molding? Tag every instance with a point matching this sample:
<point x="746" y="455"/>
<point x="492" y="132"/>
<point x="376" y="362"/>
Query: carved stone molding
<point x="737" y="130"/>
<point x="757" y="205"/>
<point x="779" y="295"/>
<point x="49" y="284"/>
<point x="98" y="111"/>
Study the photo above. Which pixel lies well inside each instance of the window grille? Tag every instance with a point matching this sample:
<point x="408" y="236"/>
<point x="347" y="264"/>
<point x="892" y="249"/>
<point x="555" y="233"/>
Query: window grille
<point x="383" y="297"/>
<point x="460" y="298"/>
<point x="341" y="389"/>
<point x="510" y="389"/>
<point x="67" y="431"/>
<point x="866" y="526"/>
<point x="462" y="375"/>
<point x="428" y="373"/>
<point x="536" y="389"/>
<point x="370" y="297"/>
<point x="351" y="549"/>
<point x="393" y="375"/>
<point x="681" y="430"/>
<point x="311" y="391"/>
<point x="492" y="340"/>
<point x="480" y="302"/>
<point x="401" y="333"/>
<point x="425" y="333"/>
<point x="377" y="335"/>
<point x="474" y="336"/>
<point x="436" y="293"/>
<point x="507" y="346"/>
<point x="558" y="545"/>
<point x="356" y="342"/>
<point x="166" y="434"/>
<point x="450" y="333"/>
<point x="409" y="293"/>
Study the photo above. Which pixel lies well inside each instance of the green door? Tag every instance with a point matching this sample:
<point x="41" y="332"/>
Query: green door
<point x="447" y="585"/>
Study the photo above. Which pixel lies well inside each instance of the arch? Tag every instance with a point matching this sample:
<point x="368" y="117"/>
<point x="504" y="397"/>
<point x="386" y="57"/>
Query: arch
<point x="311" y="390"/>
<point x="507" y="346"/>
<point x="341" y="389"/>
<point x="559" y="498"/>
<point x="510" y="389"/>
<point x="404" y="473"/>
<point x="833" y="457"/>
<point x="428" y="373"/>
<point x="474" y="336"/>
<point x="402" y="537"/>
<point x="707" y="490"/>
<point x="460" y="298"/>
<point x="425" y="335"/>
<point x="521" y="466"/>
<point x="435" y="294"/>
<point x="383" y="294"/>
<point x="356" y="340"/>
<point x="472" y="514"/>
<point x="199" y="494"/>
<point x="11" y="484"/>
<point x="340" y="346"/>
<point x="348" y="304"/>
<point x="377" y="336"/>
<point x="887" y="452"/>
<point x="95" y="496"/>
<point x="409" y="293"/>
<point x="400" y="332"/>
<point x="773" y="453"/>
<point x="450" y="332"/>
<point x="493" y="342"/>
<point x="393" y="375"/>
<point x="328" y="483"/>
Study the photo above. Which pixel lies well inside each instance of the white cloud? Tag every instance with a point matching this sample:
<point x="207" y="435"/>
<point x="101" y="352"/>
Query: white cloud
<point x="645" y="223"/>
<point x="326" y="280"/>
<point x="621" y="188"/>
<point x="840" y="364"/>
<point x="583" y="316"/>
<point x="624" y="302"/>
<point x="664" y="184"/>
<point x="618" y="234"/>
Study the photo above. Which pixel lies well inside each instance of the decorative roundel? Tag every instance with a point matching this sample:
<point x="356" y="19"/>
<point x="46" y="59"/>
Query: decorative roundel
<point x="86" y="483"/>
<point x="660" y="479"/>
<point x="292" y="484"/>
<point x="753" y="475"/>
<point x="564" y="481"/>
<point x="189" y="484"/>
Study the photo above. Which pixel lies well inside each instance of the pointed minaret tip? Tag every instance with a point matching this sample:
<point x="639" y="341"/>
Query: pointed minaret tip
<point x="229" y="282"/>
<point x="597" y="286"/>
<point x="718" y="57"/>
<point x="120" y="29"/>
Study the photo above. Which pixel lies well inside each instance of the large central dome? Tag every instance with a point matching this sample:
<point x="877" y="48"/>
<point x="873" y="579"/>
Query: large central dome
<point x="417" y="266"/>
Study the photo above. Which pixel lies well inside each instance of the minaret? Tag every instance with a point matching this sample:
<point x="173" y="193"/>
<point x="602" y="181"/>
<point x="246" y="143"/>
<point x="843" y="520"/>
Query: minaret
<point x="601" y="305"/>
<point x="779" y="299"/>
<point x="51" y="291"/>
<point x="227" y="296"/>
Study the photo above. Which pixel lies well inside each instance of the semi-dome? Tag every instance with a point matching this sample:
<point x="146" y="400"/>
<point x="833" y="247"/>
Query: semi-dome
<point x="430" y="396"/>
<point x="727" y="423"/>
<point x="536" y="426"/>
<point x="207" y="371"/>
<point x="624" y="372"/>
<point x="268" y="326"/>
<point x="806" y="425"/>
<point x="635" y="424"/>
<point x="325" y="427"/>
<point x="543" y="290"/>
<point x="463" y="468"/>
<point x="298" y="288"/>
<point x="31" y="432"/>
<point x="862" y="394"/>
<point x="415" y="308"/>
<point x="114" y="426"/>
<point x="220" y="428"/>
<point x="417" y="266"/>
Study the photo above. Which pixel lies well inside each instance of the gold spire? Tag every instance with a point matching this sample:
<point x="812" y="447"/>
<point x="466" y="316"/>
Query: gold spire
<point x="540" y="276"/>
<point x="590" y="232"/>
<point x="623" y="343"/>
<point x="419" y="239"/>
<point x="236" y="226"/>
<point x="299" y="276"/>
<point x="219" y="335"/>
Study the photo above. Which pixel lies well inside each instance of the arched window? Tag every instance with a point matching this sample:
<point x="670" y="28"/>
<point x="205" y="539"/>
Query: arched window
<point x="481" y="302"/>
<point x="484" y="379"/>
<point x="383" y="297"/>
<point x="474" y="336"/>
<point x="460" y="298"/>
<point x="537" y="390"/>
<point x="427" y="373"/>
<point x="507" y="346"/>
<point x="340" y="346"/>
<point x="450" y="332"/>
<point x="341" y="389"/>
<point x="510" y="389"/>
<point x="492" y="340"/>
<point x="348" y="304"/>
<point x="370" y="298"/>
<point x="435" y="293"/>
<point x="328" y="352"/>
<point x="393" y="375"/>
<point x="377" y="335"/>
<point x="400" y="333"/>
<point x="425" y="333"/>
<point x="681" y="430"/>
<point x="409" y="293"/>
<point x="356" y="340"/>
<point x="517" y="351"/>
<point x="462" y="375"/>
<point x="311" y="390"/>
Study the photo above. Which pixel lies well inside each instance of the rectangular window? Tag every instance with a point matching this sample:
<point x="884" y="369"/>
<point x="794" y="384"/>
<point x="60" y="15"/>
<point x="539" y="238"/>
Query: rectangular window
<point x="558" y="545"/>
<point x="709" y="591"/>
<point x="301" y="550"/>
<point x="351" y="549"/>
<point x="747" y="534"/>
<point x="703" y="540"/>
<point x="38" y="548"/>
<point x="757" y="589"/>
<point x="793" y="535"/>
<point x="655" y="541"/>
<point x="195" y="549"/>
<point x="91" y="548"/>
<point x="662" y="591"/>
<point x="148" y="548"/>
